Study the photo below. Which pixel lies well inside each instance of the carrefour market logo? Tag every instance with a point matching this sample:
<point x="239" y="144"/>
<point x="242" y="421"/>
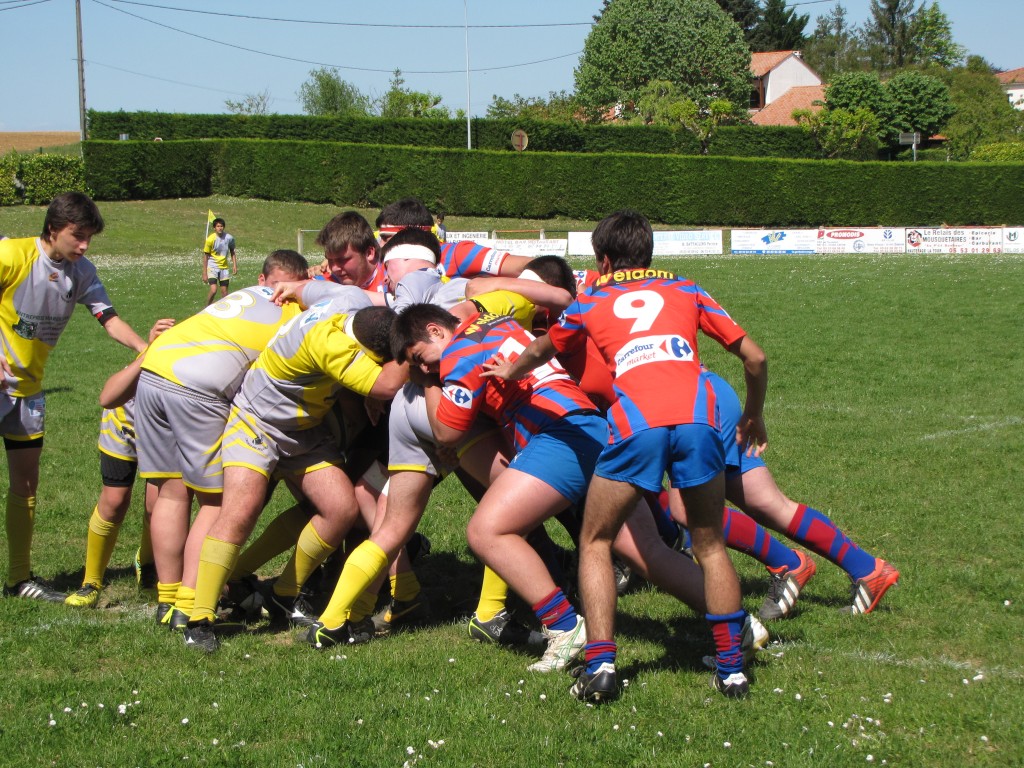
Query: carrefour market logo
<point x="652" y="349"/>
<point x="461" y="396"/>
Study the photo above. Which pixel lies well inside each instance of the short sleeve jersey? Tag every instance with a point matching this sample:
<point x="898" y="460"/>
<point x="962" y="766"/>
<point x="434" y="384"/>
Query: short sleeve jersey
<point x="37" y="296"/>
<point x="468" y="259"/>
<point x="211" y="351"/>
<point x="522" y="408"/>
<point x="294" y="382"/>
<point x="219" y="247"/>
<point x="644" y="323"/>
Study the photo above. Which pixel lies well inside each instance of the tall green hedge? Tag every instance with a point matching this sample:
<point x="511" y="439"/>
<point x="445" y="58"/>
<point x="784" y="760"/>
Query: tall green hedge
<point x="10" y="166"/>
<point x="545" y="136"/>
<point x="37" y="179"/>
<point x="1003" y="152"/>
<point x="742" y="192"/>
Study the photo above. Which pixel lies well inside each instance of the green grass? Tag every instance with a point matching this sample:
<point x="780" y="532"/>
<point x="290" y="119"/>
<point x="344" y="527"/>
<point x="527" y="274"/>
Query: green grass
<point x="894" y="406"/>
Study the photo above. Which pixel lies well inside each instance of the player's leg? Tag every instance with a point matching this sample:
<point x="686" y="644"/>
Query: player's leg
<point x="169" y="523"/>
<point x="23" y="475"/>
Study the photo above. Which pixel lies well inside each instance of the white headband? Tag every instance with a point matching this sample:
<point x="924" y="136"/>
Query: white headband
<point x="529" y="274"/>
<point x="410" y="251"/>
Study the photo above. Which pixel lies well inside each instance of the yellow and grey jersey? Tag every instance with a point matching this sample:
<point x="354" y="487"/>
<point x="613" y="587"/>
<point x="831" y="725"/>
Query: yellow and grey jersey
<point x="293" y="383"/>
<point x="37" y="296"/>
<point x="508" y="303"/>
<point x="211" y="351"/>
<point x="117" y="432"/>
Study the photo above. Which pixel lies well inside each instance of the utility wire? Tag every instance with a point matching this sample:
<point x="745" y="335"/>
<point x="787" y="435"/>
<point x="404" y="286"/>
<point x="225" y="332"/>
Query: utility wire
<point x="23" y="5"/>
<point x="327" y="64"/>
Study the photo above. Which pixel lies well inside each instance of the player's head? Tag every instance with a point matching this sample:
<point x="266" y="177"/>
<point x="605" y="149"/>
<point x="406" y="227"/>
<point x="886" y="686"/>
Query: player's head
<point x="420" y="334"/>
<point x="72" y="209"/>
<point x="283" y="266"/>
<point x="553" y="270"/>
<point x="350" y="248"/>
<point x="407" y="212"/>
<point x="625" y="239"/>
<point x="371" y="327"/>
<point x="407" y="251"/>
<point x="219" y="225"/>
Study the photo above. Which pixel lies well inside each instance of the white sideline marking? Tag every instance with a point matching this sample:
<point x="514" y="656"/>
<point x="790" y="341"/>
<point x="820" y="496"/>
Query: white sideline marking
<point x="1013" y="421"/>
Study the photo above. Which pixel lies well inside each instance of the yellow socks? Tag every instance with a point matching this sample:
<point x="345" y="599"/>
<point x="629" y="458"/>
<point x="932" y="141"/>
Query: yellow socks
<point x="167" y="593"/>
<point x="99" y="547"/>
<point x="362" y="567"/>
<point x="493" y="592"/>
<point x="309" y="553"/>
<point x="21" y="514"/>
<point x="216" y="561"/>
<point x="276" y="538"/>
<point x="405" y="586"/>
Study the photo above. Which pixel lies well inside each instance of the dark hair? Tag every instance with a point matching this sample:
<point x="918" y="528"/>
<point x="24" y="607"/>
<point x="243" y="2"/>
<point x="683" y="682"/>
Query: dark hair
<point x="344" y="230"/>
<point x="288" y="261"/>
<point x="413" y="236"/>
<point x="217" y="221"/>
<point x="372" y="328"/>
<point x="626" y="238"/>
<point x="72" y="208"/>
<point x="411" y="327"/>
<point x="554" y="270"/>
<point x="407" y="212"/>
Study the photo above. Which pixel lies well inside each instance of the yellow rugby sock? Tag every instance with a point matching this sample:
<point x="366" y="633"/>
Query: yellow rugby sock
<point x="309" y="553"/>
<point x="98" y="548"/>
<point x="363" y="605"/>
<point x="493" y="592"/>
<point x="216" y="559"/>
<point x="276" y="538"/>
<point x="405" y="586"/>
<point x="362" y="567"/>
<point x="21" y="515"/>
<point x="185" y="600"/>
<point x="166" y="593"/>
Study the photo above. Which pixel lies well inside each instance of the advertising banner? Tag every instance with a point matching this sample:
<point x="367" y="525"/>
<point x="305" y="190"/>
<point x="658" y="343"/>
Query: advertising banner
<point x="766" y="241"/>
<point x="688" y="242"/>
<point x="1013" y="239"/>
<point x="483" y="238"/>
<point x="532" y="247"/>
<point x="955" y="240"/>
<point x="861" y="240"/>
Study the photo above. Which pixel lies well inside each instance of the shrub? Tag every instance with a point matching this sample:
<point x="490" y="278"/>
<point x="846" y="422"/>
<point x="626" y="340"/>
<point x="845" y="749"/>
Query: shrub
<point x="1004" y="152"/>
<point x="10" y="166"/>
<point x="46" y="176"/>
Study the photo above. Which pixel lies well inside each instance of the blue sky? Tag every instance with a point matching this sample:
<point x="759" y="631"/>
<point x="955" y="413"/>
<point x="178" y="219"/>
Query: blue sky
<point x="158" y="55"/>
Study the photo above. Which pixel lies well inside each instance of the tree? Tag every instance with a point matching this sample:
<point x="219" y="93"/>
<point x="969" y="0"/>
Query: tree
<point x="932" y="39"/>
<point x="560" y="106"/>
<point x="779" y="29"/>
<point x="888" y="33"/>
<point x="661" y="103"/>
<point x="250" y="104"/>
<point x="693" y="44"/>
<point x="842" y="133"/>
<point x="835" y="45"/>
<point x="326" y="94"/>
<point x="400" y="101"/>
<point x="746" y="13"/>
<point x="983" y="113"/>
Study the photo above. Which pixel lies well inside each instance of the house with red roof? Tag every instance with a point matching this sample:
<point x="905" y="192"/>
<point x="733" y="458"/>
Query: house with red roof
<point x="775" y="73"/>
<point x="1013" y="83"/>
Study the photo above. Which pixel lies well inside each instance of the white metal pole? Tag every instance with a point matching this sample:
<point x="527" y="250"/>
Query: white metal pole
<point x="469" y="135"/>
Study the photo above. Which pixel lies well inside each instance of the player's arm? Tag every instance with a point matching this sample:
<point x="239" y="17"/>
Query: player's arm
<point x="120" y="388"/>
<point x="539" y="351"/>
<point x="751" y="431"/>
<point x="234" y="261"/>
<point x="512" y="265"/>
<point x="392" y="378"/>
<point x="552" y="298"/>
<point x="444" y="434"/>
<point x="122" y="333"/>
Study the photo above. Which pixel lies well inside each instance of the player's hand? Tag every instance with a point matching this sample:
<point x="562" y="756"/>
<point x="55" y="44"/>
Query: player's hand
<point x="499" y="367"/>
<point x="159" y="327"/>
<point x="317" y="270"/>
<point x="752" y="435"/>
<point x="287" y="291"/>
<point x="375" y="409"/>
<point x="6" y="375"/>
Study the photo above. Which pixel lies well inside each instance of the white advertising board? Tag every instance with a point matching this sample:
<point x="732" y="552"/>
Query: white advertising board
<point x="1013" y="239"/>
<point x="532" y="247"/>
<point x="688" y="242"/>
<point x="477" y="237"/>
<point x="579" y="244"/>
<point x="955" y="240"/>
<point x="861" y="240"/>
<point x="774" y="240"/>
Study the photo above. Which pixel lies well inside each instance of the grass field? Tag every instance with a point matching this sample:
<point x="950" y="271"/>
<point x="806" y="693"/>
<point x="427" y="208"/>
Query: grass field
<point x="894" y="405"/>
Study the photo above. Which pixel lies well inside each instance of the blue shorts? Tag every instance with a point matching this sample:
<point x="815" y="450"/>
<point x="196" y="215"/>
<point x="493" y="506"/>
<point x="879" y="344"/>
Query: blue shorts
<point x="729" y="413"/>
<point x="692" y="455"/>
<point x="564" y="455"/>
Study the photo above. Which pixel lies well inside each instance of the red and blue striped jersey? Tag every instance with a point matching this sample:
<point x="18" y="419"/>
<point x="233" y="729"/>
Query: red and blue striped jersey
<point x="522" y="408"/>
<point x="468" y="259"/>
<point x="644" y="323"/>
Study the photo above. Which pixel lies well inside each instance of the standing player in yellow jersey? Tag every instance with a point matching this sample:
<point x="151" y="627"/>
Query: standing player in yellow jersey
<point x="218" y="246"/>
<point x="189" y="376"/>
<point x="41" y="280"/>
